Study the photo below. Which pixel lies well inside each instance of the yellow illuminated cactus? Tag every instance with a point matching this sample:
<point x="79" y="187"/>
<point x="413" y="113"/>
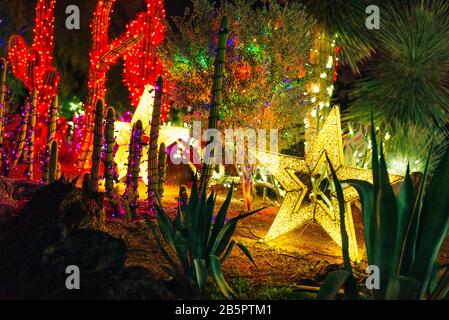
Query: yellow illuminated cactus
<point x="297" y="175"/>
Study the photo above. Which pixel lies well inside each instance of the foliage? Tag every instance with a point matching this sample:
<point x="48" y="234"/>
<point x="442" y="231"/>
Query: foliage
<point x="200" y="241"/>
<point x="267" y="54"/>
<point x="345" y="19"/>
<point x="408" y="147"/>
<point x="403" y="234"/>
<point x="246" y="290"/>
<point x="407" y="80"/>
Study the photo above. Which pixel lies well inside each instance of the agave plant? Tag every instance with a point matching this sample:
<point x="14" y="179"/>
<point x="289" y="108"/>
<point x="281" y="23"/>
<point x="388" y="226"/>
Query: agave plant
<point x="403" y="234"/>
<point x="200" y="240"/>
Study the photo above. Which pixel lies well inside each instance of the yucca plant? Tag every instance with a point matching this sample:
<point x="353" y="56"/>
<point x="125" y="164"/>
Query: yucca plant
<point x="407" y="80"/>
<point x="403" y="234"/>
<point x="201" y="240"/>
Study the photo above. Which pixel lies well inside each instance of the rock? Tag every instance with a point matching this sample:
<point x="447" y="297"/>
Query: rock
<point x="137" y="283"/>
<point x="99" y="257"/>
<point x="21" y="269"/>
<point x="60" y="203"/>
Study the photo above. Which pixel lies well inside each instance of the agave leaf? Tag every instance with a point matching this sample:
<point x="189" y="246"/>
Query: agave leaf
<point x="210" y="207"/>
<point x="164" y="252"/>
<point x="365" y="191"/>
<point x="341" y="206"/>
<point x="201" y="273"/>
<point x="194" y="196"/>
<point x="406" y="201"/>
<point x="182" y="251"/>
<point x="166" y="226"/>
<point x="246" y="215"/>
<point x="350" y="284"/>
<point x="219" y="221"/>
<point x="223" y="238"/>
<point x="442" y="289"/>
<point x="387" y="213"/>
<point x="412" y="237"/>
<point x="435" y="225"/>
<point x="219" y="277"/>
<point x="197" y="229"/>
<point x="333" y="283"/>
<point x="402" y="288"/>
<point x="228" y="251"/>
<point x="246" y="252"/>
<point x="422" y="215"/>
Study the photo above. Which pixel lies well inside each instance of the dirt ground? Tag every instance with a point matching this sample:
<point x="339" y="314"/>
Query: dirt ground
<point x="299" y="259"/>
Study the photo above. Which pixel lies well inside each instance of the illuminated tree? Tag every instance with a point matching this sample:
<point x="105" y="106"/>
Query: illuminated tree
<point x="265" y="71"/>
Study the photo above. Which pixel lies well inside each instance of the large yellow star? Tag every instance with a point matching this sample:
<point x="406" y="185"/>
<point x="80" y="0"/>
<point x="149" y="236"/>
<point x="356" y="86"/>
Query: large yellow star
<point x="303" y="180"/>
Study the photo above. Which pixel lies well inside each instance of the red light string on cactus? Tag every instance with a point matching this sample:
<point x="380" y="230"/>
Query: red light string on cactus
<point x="136" y="46"/>
<point x="33" y="65"/>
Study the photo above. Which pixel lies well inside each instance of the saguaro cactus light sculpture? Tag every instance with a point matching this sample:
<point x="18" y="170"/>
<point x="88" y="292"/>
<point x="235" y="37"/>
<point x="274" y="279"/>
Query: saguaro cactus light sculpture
<point x="98" y="144"/>
<point x="3" y="68"/>
<point x="153" y="167"/>
<point x="109" y="149"/>
<point x="217" y="96"/>
<point x="132" y="178"/>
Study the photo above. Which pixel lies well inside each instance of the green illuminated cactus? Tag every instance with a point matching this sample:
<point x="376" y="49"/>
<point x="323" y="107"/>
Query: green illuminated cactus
<point x="51" y="122"/>
<point x="98" y="144"/>
<point x="109" y="148"/>
<point x="31" y="128"/>
<point x="53" y="163"/>
<point x="21" y="137"/>
<point x="153" y="168"/>
<point x="58" y="171"/>
<point x="162" y="169"/>
<point x="216" y="96"/>
<point x="132" y="177"/>
<point x="3" y="68"/>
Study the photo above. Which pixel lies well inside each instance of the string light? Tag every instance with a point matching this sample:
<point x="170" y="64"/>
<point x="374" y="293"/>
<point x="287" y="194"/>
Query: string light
<point x="296" y="177"/>
<point x="34" y="65"/>
<point x="136" y="46"/>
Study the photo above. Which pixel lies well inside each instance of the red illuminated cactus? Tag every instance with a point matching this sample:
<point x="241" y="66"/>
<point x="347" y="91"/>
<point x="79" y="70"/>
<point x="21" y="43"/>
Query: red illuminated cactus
<point x="142" y="65"/>
<point x="136" y="46"/>
<point x="33" y="64"/>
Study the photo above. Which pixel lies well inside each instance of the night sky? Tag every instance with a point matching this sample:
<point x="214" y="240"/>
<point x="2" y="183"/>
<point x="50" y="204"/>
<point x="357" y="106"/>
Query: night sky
<point x="175" y="7"/>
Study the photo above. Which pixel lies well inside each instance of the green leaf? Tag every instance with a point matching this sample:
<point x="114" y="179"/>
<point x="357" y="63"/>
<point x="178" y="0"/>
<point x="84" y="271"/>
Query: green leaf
<point x="402" y="288"/>
<point x="223" y="238"/>
<point x="219" y="278"/>
<point x="228" y="251"/>
<point x="164" y="252"/>
<point x="406" y="204"/>
<point x="246" y="252"/>
<point x="201" y="273"/>
<point x="365" y="191"/>
<point x="166" y="227"/>
<point x="219" y="221"/>
<point x="341" y="206"/>
<point x="413" y="231"/>
<point x="387" y="218"/>
<point x="435" y="225"/>
<point x="442" y="289"/>
<point x="333" y="283"/>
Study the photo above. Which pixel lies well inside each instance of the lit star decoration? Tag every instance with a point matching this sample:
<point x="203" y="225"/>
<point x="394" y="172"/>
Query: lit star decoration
<point x="304" y="202"/>
<point x="34" y="65"/>
<point x="141" y="63"/>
